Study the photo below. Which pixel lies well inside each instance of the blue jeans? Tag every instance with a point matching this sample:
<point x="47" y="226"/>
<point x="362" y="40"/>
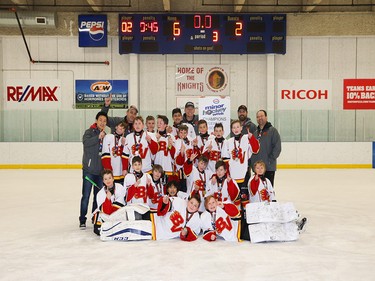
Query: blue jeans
<point x="86" y="191"/>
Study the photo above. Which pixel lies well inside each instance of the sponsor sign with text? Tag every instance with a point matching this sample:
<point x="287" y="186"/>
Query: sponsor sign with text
<point x="359" y="94"/>
<point x="32" y="94"/>
<point x="202" y="80"/>
<point x="92" y="30"/>
<point x="91" y="93"/>
<point x="304" y="95"/>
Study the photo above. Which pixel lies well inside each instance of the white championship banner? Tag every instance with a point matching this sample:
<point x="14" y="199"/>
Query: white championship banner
<point x="215" y="110"/>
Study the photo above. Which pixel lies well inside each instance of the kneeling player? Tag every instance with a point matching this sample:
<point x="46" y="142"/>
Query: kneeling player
<point x="110" y="198"/>
<point x="217" y="220"/>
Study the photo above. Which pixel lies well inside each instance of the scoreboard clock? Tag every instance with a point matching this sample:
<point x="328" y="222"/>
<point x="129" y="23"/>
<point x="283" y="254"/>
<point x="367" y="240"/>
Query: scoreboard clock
<point x="202" y="33"/>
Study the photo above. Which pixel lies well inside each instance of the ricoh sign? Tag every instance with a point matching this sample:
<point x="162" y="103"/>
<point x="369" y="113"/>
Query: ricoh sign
<point x="32" y="94"/>
<point x="304" y="95"/>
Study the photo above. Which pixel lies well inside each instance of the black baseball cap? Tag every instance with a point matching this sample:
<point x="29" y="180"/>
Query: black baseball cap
<point x="189" y="104"/>
<point x="242" y="107"/>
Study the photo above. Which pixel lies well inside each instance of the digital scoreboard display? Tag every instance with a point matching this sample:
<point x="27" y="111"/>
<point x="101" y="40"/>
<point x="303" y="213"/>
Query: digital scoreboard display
<point x="202" y="33"/>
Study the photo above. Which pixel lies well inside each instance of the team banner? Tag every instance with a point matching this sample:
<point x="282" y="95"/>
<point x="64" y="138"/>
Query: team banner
<point x="215" y="110"/>
<point x="359" y="94"/>
<point x="32" y="94"/>
<point x="202" y="80"/>
<point x="91" y="93"/>
<point x="304" y="95"/>
<point x="92" y="30"/>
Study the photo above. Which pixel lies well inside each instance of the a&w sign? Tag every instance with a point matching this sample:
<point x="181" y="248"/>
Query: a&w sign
<point x="32" y="94"/>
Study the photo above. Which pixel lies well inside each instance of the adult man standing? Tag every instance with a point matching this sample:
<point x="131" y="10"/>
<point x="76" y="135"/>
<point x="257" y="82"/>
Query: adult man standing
<point x="131" y="113"/>
<point x="270" y="145"/>
<point x="190" y="117"/>
<point x="245" y="121"/>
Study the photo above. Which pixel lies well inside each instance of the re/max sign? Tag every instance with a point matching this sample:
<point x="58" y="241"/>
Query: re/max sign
<point x="31" y="93"/>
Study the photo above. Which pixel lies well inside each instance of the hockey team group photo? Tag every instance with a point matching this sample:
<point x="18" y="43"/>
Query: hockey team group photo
<point x="156" y="179"/>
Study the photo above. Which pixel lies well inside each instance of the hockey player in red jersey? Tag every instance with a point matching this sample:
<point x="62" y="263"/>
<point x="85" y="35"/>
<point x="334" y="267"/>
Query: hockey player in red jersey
<point x="260" y="188"/>
<point x="203" y="136"/>
<point x="222" y="186"/>
<point x="196" y="177"/>
<point x="110" y="198"/>
<point x="157" y="182"/>
<point x="214" y="147"/>
<point x="113" y="157"/>
<point x="217" y="220"/>
<point x="138" y="184"/>
<point x="240" y="148"/>
<point x="178" y="218"/>
<point x="166" y="150"/>
<point x="142" y="144"/>
<point x="184" y="146"/>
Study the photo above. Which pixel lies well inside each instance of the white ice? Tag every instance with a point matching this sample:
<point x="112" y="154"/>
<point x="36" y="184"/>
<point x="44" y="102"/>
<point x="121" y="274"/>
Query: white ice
<point x="40" y="238"/>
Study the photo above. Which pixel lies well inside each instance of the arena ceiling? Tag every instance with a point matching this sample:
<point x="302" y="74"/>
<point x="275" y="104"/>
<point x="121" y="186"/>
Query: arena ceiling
<point x="191" y="6"/>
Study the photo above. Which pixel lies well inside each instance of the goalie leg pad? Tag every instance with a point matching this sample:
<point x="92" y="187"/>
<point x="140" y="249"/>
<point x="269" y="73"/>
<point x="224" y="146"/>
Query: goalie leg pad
<point x="126" y="230"/>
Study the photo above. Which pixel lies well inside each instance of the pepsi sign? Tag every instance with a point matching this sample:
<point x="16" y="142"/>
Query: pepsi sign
<point x="92" y="30"/>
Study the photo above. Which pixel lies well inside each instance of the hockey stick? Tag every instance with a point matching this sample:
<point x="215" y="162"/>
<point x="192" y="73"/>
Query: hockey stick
<point x="92" y="182"/>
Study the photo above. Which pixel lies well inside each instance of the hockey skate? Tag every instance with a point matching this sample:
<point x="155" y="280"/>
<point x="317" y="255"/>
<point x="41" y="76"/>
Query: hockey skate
<point x="301" y="224"/>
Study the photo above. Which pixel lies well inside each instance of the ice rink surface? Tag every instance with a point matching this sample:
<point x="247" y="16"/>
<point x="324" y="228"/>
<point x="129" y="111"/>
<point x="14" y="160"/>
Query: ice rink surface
<point x="40" y="238"/>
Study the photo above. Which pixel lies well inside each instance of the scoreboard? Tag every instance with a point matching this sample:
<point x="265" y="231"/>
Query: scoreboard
<point x="202" y="33"/>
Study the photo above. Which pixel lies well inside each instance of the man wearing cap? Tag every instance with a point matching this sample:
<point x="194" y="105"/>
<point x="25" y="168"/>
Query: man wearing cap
<point x="190" y="117"/>
<point x="245" y="121"/>
<point x="131" y="113"/>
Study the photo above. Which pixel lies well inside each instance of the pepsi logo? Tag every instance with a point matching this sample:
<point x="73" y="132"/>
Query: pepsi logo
<point x="216" y="101"/>
<point x="101" y="87"/>
<point x="96" y="32"/>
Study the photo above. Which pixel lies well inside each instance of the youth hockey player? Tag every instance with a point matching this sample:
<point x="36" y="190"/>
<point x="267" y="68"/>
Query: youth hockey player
<point x="217" y="220"/>
<point x="112" y="153"/>
<point x="110" y="198"/>
<point x="178" y="218"/>
<point x="177" y="122"/>
<point x="140" y="143"/>
<point x="166" y="150"/>
<point x="138" y="184"/>
<point x="184" y="146"/>
<point x="240" y="149"/>
<point x="157" y="182"/>
<point x="203" y="136"/>
<point x="222" y="186"/>
<point x="196" y="177"/>
<point x="260" y="188"/>
<point x="214" y="147"/>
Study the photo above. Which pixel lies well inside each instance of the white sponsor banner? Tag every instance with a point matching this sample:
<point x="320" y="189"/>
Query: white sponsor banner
<point x="202" y="80"/>
<point x="32" y="94"/>
<point x="215" y="110"/>
<point x="304" y="95"/>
